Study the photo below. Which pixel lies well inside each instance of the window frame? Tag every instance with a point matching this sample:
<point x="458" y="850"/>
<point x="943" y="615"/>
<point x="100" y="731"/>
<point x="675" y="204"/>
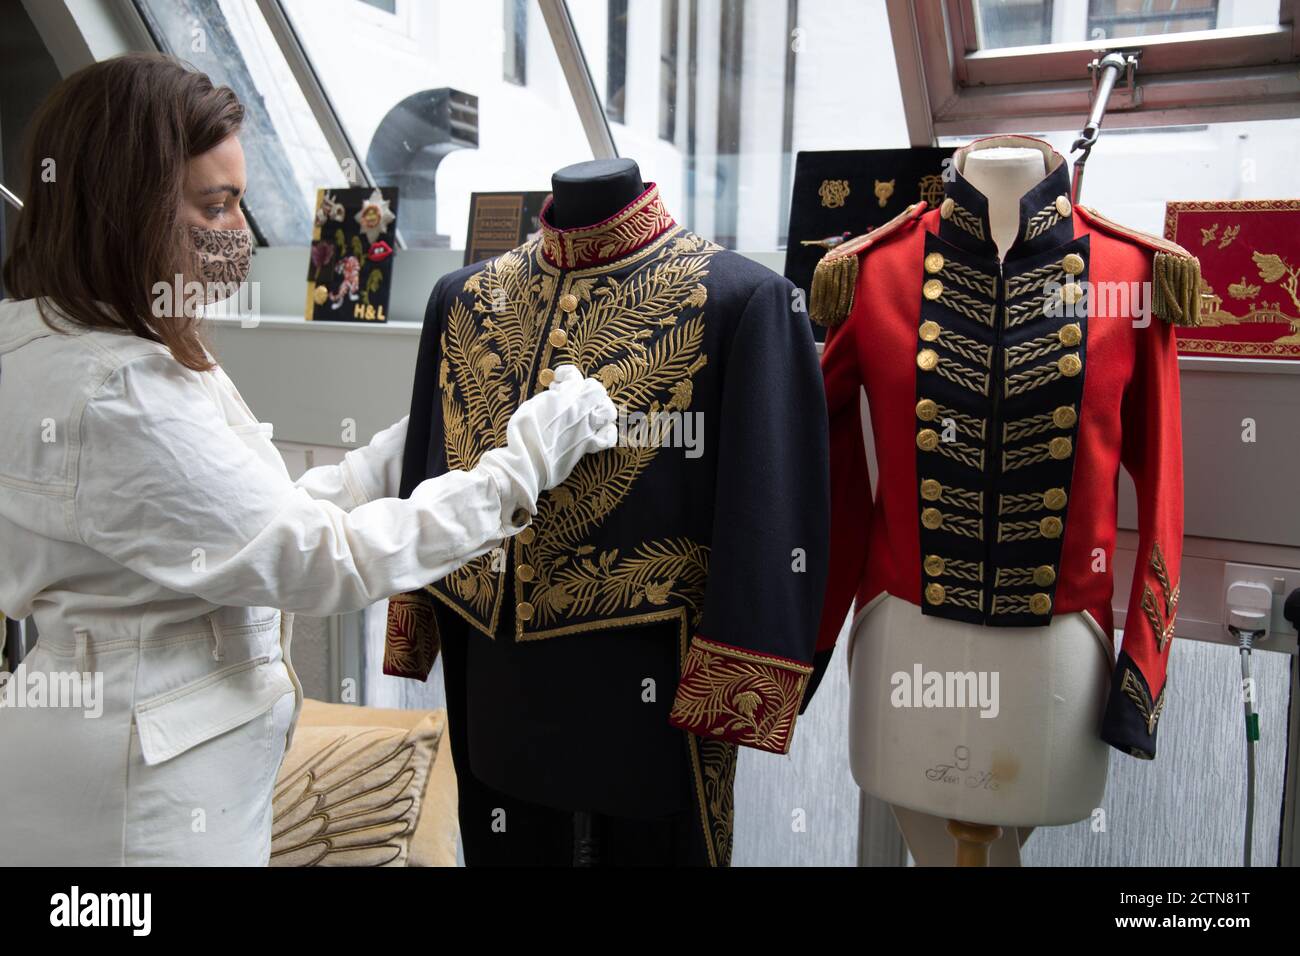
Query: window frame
<point x="616" y="60"/>
<point x="514" y="42"/>
<point x="951" y="88"/>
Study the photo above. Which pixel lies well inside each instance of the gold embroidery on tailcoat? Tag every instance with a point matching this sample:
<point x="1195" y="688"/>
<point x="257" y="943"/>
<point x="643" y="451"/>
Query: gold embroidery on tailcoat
<point x="639" y="327"/>
<point x="488" y="349"/>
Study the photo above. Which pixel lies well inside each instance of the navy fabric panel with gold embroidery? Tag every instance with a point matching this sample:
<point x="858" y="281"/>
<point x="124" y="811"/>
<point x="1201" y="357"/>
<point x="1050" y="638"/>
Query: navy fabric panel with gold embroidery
<point x="1000" y="368"/>
<point x="843" y="193"/>
<point x="1132" y="714"/>
<point x="1044" y="363"/>
<point x="641" y="329"/>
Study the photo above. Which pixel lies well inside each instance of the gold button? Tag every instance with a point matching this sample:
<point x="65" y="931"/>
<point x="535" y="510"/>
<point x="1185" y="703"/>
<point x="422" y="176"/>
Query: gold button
<point x="525" y="572"/>
<point x="527" y="536"/>
<point x="1064" y="416"/>
<point x="520" y="517"/>
<point x="546" y="377"/>
<point x="1040" y="603"/>
<point x="559" y="339"/>
<point x="1071" y="293"/>
<point x="1044" y="575"/>
<point x="1054" y="499"/>
<point x="931" y="489"/>
<point x="1070" y="334"/>
<point x="932" y="289"/>
<point x="927" y="439"/>
<point x="934" y="593"/>
<point x="934" y="262"/>
<point x="1063" y="206"/>
<point x="1072" y="263"/>
<point x="926" y="410"/>
<point x="945" y="208"/>
<point x="934" y="565"/>
<point x="932" y="518"/>
<point x="927" y="359"/>
<point x="524" y="611"/>
<point x="1069" y="365"/>
<point x="1060" y="448"/>
<point x="1050" y="527"/>
<point x="568" y="302"/>
<point x="929" y="331"/>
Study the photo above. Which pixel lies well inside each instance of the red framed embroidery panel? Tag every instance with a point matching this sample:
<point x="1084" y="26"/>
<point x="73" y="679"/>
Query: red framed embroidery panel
<point x="1250" y="275"/>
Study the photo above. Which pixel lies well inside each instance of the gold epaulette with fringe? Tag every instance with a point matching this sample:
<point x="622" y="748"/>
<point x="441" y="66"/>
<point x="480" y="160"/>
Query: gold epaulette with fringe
<point x="836" y="276"/>
<point x="1175" y="272"/>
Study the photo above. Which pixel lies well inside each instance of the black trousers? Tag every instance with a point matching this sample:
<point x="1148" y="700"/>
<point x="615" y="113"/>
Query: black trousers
<point x="501" y="829"/>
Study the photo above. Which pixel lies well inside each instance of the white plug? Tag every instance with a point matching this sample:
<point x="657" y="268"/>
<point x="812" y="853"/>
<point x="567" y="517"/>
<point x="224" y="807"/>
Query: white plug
<point x="1248" y="607"/>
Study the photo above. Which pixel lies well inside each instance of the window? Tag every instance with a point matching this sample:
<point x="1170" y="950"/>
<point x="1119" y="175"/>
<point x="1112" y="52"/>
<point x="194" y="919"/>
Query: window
<point x="985" y="66"/>
<point x="721" y="95"/>
<point x="431" y="114"/>
<point x="616" y="60"/>
<point x="288" y="158"/>
<point x="388" y="6"/>
<point x="1000" y="24"/>
<point x="515" y="49"/>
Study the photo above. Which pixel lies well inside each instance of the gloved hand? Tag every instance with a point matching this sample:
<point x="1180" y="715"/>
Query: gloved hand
<point x="545" y="438"/>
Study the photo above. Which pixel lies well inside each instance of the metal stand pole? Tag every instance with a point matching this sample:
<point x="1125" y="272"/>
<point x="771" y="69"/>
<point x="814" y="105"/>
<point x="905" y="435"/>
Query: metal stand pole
<point x="1106" y="72"/>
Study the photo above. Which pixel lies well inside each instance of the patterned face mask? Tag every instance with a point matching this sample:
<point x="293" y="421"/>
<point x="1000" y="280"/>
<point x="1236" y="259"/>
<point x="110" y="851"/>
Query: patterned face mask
<point x="225" y="255"/>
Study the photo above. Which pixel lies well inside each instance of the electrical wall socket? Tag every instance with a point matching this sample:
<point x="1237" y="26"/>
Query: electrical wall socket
<point x="1281" y="582"/>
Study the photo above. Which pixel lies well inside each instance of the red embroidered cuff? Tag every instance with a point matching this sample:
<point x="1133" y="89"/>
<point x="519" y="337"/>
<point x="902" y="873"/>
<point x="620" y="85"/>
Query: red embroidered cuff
<point x="745" y="697"/>
<point x="411" y="641"/>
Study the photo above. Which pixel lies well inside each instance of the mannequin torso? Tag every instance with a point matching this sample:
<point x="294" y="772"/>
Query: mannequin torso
<point x="1004" y="174"/>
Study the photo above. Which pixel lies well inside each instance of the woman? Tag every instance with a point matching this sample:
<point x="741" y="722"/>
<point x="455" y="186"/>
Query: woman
<point x="147" y="521"/>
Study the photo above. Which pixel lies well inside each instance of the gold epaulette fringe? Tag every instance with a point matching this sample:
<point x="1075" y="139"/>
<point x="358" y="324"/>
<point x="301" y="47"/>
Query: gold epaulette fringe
<point x="1176" y="292"/>
<point x="832" y="289"/>
<point x="1175" y="272"/>
<point x="831" y="298"/>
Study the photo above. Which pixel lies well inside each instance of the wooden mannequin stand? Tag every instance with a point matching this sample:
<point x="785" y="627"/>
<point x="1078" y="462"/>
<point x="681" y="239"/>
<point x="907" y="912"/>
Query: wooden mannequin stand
<point x="973" y="841"/>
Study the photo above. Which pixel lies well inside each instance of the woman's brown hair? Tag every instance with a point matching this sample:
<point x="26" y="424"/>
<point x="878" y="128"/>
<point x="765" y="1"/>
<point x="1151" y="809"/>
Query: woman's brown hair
<point x="106" y="156"/>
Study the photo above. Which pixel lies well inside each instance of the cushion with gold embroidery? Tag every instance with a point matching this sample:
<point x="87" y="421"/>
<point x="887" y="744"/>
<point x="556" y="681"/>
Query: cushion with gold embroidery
<point x="353" y="795"/>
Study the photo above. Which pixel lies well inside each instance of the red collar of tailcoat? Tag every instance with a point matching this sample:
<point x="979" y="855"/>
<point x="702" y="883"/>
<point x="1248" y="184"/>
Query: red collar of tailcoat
<point x="636" y="224"/>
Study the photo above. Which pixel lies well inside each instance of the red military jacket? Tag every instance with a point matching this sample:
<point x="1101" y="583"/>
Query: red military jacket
<point x="1004" y="397"/>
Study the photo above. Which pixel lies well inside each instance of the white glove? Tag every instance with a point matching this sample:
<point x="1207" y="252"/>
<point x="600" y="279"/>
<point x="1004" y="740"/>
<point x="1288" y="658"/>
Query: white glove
<point x="545" y="438"/>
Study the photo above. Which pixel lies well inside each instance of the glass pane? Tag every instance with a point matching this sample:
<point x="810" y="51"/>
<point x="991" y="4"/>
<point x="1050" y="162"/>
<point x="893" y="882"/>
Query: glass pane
<point x="287" y="156"/>
<point x="1003" y="23"/>
<point x="442" y="99"/>
<point x="1010" y="23"/>
<point x="27" y="74"/>
<point x="714" y="99"/>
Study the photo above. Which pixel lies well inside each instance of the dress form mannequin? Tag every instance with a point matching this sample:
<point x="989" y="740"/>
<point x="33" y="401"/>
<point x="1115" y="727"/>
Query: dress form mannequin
<point x="587" y="193"/>
<point x="1040" y="760"/>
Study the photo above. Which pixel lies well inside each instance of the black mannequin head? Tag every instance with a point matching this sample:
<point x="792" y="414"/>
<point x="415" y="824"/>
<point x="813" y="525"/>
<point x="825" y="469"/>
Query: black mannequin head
<point x="588" y="193"/>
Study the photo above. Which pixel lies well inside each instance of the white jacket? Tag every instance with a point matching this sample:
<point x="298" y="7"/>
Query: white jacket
<point x="152" y="529"/>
